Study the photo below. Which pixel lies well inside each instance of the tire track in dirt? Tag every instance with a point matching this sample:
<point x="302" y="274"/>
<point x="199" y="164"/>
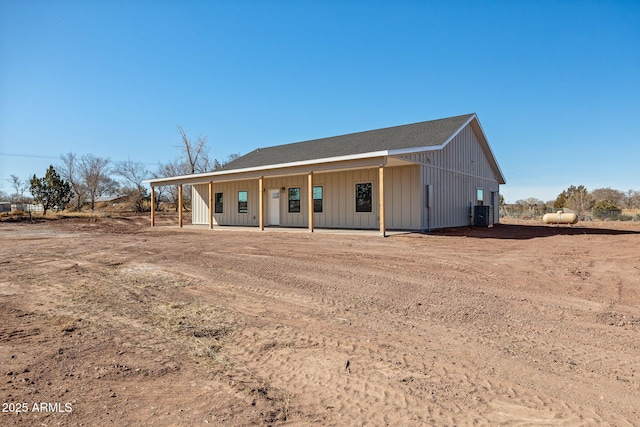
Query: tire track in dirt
<point x="433" y="335"/>
<point x="289" y="356"/>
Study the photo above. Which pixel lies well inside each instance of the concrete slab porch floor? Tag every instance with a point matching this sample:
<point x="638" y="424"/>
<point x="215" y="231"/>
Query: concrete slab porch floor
<point x="299" y="230"/>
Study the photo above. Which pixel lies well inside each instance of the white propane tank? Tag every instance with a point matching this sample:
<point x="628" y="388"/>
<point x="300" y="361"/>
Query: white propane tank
<point x="560" y="218"/>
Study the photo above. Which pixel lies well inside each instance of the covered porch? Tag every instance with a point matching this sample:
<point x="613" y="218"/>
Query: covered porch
<point x="262" y="180"/>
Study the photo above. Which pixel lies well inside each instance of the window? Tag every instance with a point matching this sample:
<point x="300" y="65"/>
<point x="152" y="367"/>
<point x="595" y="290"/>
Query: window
<point x="480" y="196"/>
<point x="363" y="197"/>
<point x="317" y="199"/>
<point x="243" y="204"/>
<point x="294" y="200"/>
<point x="219" y="207"/>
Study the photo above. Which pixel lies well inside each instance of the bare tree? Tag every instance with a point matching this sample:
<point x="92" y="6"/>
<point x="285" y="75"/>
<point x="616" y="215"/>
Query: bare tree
<point x="608" y="194"/>
<point x="160" y="190"/>
<point x="133" y="174"/>
<point x="173" y="168"/>
<point x="195" y="153"/>
<point x="93" y="171"/>
<point x="535" y="206"/>
<point x="19" y="187"/>
<point x="218" y="164"/>
<point x="194" y="158"/>
<point x="580" y="201"/>
<point x="70" y="171"/>
<point x="632" y="199"/>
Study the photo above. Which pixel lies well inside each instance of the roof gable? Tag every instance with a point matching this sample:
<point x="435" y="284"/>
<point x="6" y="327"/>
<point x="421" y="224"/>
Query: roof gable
<point x="423" y="134"/>
<point x="388" y="143"/>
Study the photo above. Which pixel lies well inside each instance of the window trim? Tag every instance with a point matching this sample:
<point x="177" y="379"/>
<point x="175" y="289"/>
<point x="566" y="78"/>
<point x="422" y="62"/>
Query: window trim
<point x="246" y="211"/>
<point x="216" y="203"/>
<point x="289" y="200"/>
<point x="370" y="183"/>
<point x="321" y="199"/>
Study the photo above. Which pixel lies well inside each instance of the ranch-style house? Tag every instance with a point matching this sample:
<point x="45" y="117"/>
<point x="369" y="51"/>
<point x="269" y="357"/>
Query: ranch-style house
<point x="417" y="177"/>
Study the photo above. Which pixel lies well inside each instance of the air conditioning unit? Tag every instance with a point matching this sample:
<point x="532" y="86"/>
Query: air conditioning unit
<point x="483" y="216"/>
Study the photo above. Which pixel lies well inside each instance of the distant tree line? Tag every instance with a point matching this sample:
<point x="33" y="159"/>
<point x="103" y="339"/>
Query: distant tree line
<point x="78" y="181"/>
<point x="601" y="203"/>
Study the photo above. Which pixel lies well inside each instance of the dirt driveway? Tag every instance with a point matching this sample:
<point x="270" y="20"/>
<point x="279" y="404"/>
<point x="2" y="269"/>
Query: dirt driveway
<point x="110" y="322"/>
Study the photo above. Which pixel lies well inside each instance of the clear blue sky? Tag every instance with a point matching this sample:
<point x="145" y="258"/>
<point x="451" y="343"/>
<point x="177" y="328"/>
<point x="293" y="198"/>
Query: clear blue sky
<point x="555" y="84"/>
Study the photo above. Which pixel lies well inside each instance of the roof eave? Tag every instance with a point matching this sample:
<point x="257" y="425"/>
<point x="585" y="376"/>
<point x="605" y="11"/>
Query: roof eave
<point x="205" y="176"/>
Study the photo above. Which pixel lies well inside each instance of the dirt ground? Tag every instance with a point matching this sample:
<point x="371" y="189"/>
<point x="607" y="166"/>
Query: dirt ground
<point x="108" y="321"/>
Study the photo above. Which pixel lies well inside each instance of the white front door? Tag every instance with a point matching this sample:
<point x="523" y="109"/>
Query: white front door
<point x="274" y="207"/>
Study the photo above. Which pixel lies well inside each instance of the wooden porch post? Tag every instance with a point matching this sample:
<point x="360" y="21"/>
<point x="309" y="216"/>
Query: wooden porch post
<point x="261" y="201"/>
<point x="383" y="230"/>
<point x="211" y="207"/>
<point x="153" y="206"/>
<point x="310" y="198"/>
<point x="180" y="205"/>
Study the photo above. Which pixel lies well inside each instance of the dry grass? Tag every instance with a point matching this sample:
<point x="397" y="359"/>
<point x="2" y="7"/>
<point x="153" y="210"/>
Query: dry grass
<point x="22" y="216"/>
<point x="68" y="324"/>
<point x="143" y="294"/>
<point x="199" y="327"/>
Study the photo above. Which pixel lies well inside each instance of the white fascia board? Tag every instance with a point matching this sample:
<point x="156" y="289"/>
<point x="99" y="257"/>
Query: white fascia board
<point x="485" y="141"/>
<point x="174" y="179"/>
<point x="205" y="176"/>
<point x="495" y="161"/>
<point x="307" y="162"/>
<point x="464" y="125"/>
<point x="401" y="151"/>
<point x="412" y="150"/>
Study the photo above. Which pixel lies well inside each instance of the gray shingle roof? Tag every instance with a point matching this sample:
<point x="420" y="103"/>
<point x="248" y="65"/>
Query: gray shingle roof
<point x="422" y="134"/>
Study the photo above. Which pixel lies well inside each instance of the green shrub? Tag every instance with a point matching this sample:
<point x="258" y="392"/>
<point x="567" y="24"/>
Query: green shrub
<point x="606" y="210"/>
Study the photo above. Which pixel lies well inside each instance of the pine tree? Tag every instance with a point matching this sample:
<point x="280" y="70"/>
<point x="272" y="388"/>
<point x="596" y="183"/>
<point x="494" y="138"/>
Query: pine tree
<point x="52" y="191"/>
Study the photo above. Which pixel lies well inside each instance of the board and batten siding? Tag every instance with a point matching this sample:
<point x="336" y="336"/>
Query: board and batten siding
<point x="402" y="200"/>
<point x="455" y="173"/>
<point x="288" y="219"/>
<point x="230" y="215"/>
<point x="339" y="199"/>
<point x="200" y="204"/>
